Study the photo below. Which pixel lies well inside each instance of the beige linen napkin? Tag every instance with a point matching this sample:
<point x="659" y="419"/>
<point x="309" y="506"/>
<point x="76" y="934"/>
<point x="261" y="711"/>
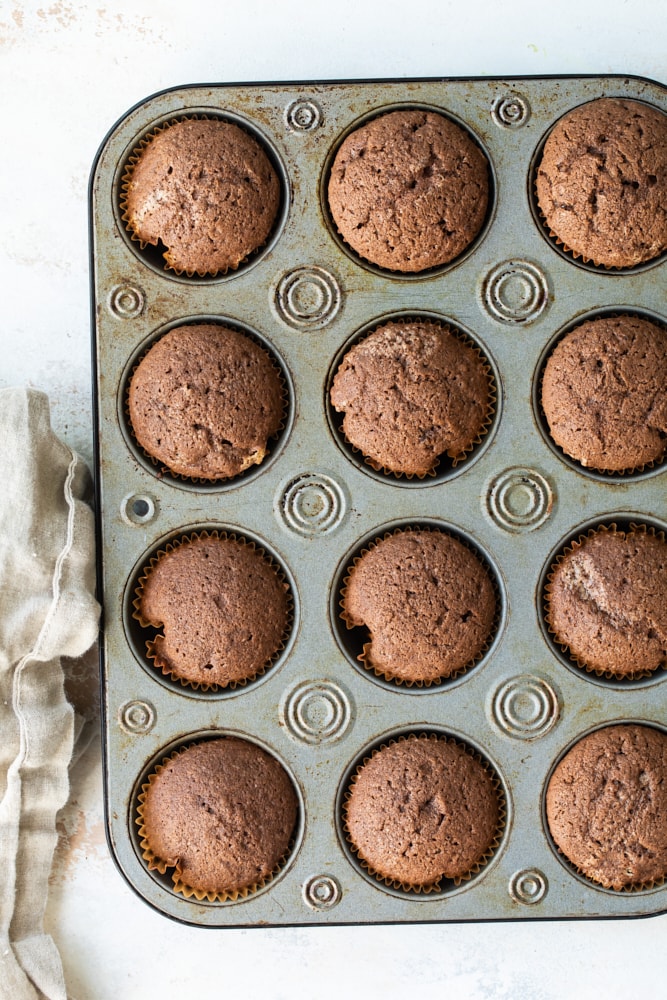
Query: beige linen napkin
<point x="47" y="611"/>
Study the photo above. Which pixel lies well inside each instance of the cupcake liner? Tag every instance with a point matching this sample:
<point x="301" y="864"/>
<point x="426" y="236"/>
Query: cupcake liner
<point x="130" y="164"/>
<point x="629" y="889"/>
<point x="161" y="865"/>
<point x="436" y="885"/>
<point x="486" y="421"/>
<point x="164" y="470"/>
<point x="567" y="550"/>
<point x="576" y="254"/>
<point x="364" y="656"/>
<point x="152" y="654"/>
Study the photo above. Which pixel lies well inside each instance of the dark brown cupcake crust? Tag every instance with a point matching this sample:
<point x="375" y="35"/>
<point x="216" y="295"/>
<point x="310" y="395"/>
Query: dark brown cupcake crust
<point x="206" y="190"/>
<point x="411" y="391"/>
<point x="604" y="393"/>
<point x="428" y="603"/>
<point x="423" y="809"/>
<point x="222" y="607"/>
<point x="221" y="813"/>
<point x="602" y="182"/>
<point x="606" y="806"/>
<point x="606" y="602"/>
<point x="204" y="401"/>
<point x="409" y="190"/>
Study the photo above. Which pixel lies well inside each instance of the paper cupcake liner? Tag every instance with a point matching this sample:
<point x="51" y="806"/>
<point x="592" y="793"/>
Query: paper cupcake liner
<point x="151" y="653"/>
<point x="364" y="656"/>
<point x="486" y="420"/>
<point x="164" y="470"/>
<point x="629" y="889"/>
<point x="436" y="884"/>
<point x="576" y="254"/>
<point x="130" y="164"/>
<point x="631" y="470"/>
<point x="567" y="550"/>
<point x="161" y="865"/>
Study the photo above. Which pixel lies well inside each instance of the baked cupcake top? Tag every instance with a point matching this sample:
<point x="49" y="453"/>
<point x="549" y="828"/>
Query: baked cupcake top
<point x="423" y="809"/>
<point x="206" y="190"/>
<point x="411" y="391"/>
<point x="607" y="806"/>
<point x="222" y="607"/>
<point x="409" y="190"/>
<point x="603" y="393"/>
<point x="606" y="602"/>
<point x="204" y="401"/>
<point x="427" y="601"/>
<point x="221" y="813"/>
<point x="602" y="181"/>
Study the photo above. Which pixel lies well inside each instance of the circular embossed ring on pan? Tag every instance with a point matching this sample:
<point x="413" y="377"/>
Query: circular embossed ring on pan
<point x="515" y="292"/>
<point x="321" y="892"/>
<point x="525" y="707"/>
<point x="519" y="499"/>
<point x="511" y="111"/>
<point x="126" y="301"/>
<point x="529" y="886"/>
<point x="303" y="115"/>
<point x="316" y="712"/>
<point x="312" y="504"/>
<point x="308" y="297"/>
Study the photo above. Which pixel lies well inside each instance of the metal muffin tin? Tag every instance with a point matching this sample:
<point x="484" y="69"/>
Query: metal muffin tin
<point x="314" y="502"/>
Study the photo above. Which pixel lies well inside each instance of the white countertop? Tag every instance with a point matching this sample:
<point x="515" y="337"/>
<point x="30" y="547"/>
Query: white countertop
<point x="67" y="73"/>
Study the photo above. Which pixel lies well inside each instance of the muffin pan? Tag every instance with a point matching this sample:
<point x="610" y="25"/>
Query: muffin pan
<point x="313" y="503"/>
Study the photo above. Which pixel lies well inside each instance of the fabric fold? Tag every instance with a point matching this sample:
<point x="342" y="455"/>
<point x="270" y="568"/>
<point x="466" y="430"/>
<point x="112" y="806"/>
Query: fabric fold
<point x="47" y="611"/>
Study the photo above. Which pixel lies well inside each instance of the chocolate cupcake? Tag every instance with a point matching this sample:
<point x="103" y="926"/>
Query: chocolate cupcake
<point x="426" y="600"/>
<point x="606" y="806"/>
<point x="220" y="813"/>
<point x="606" y="602"/>
<point x="412" y="391"/>
<point x="421" y="810"/>
<point x="204" y="401"/>
<point x="603" y="393"/>
<point x="602" y="182"/>
<point x="222" y="606"/>
<point x="409" y="190"/>
<point x="204" y="189"/>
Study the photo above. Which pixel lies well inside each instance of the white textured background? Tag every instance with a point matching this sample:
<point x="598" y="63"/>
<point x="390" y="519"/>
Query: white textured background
<point x="68" y="71"/>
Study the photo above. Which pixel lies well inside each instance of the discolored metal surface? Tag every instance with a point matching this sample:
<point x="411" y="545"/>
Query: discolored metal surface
<point x="515" y="499"/>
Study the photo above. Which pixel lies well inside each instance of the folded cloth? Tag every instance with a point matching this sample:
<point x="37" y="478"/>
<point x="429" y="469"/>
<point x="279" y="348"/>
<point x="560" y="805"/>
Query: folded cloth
<point x="47" y="611"/>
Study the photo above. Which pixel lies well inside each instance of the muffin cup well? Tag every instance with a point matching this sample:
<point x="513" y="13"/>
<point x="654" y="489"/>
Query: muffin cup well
<point x="163" y="470"/>
<point x="127" y="175"/>
<point x="579" y="257"/>
<point x="626" y="889"/>
<point x="364" y="656"/>
<point x="445" y="457"/>
<point x="435" y="885"/>
<point x="151" y="653"/>
<point x="162" y="865"/>
<point x="567" y="550"/>
<point x="590" y="470"/>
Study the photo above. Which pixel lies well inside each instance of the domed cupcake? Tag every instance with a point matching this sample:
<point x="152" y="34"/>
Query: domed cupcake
<point x="602" y="182"/>
<point x="606" y="602"/>
<point x="427" y="602"/>
<point x="206" y="190"/>
<point x="222" y="606"/>
<point x="221" y="813"/>
<point x="607" y="806"/>
<point x="422" y="809"/>
<point x="603" y="393"/>
<point x="204" y="401"/>
<point x="412" y="391"/>
<point x="409" y="190"/>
